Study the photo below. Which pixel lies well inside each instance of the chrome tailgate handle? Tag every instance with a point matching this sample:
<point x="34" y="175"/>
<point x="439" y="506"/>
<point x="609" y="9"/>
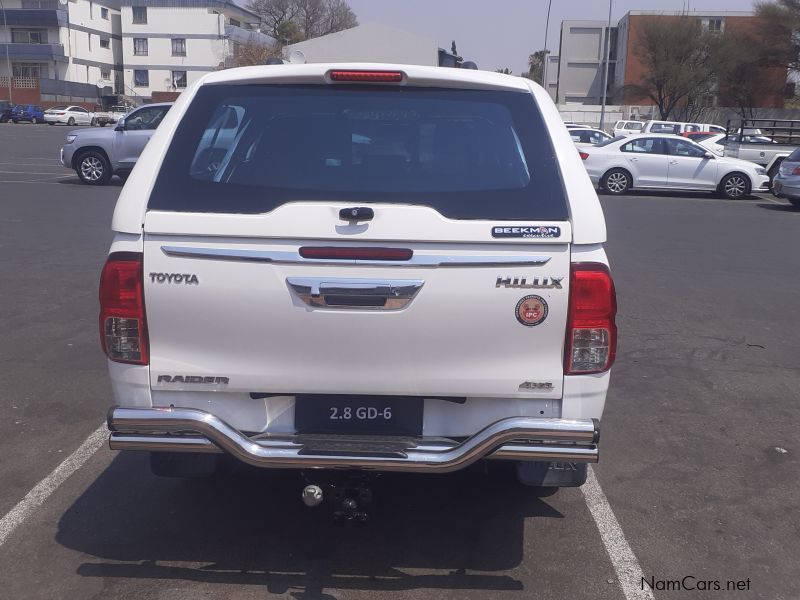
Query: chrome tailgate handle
<point x="371" y="294"/>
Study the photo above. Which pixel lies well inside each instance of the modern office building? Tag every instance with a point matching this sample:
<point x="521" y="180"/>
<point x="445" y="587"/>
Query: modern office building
<point x="582" y="52"/>
<point x="580" y="61"/>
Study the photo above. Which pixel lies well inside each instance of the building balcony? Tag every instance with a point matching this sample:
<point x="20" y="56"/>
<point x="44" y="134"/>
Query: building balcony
<point x="240" y="35"/>
<point x="34" y="52"/>
<point x="36" y="17"/>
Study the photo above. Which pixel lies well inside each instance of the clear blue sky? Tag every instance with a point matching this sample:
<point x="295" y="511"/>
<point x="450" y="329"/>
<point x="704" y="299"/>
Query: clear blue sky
<point x="503" y="33"/>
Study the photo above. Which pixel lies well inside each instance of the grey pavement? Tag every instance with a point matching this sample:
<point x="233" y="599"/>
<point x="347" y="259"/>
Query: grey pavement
<point x="699" y="451"/>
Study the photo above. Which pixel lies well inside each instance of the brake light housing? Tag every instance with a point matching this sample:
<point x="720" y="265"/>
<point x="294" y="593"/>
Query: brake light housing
<point x="123" y="327"/>
<point x="591" y="344"/>
<point x="355" y="253"/>
<point x="796" y="171"/>
<point x="366" y="76"/>
<point x="584" y="155"/>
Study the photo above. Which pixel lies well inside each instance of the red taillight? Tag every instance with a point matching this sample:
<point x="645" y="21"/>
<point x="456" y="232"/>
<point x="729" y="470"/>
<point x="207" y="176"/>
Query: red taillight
<point x="591" y="331"/>
<point x="123" y="329"/>
<point x="355" y="253"/>
<point x="367" y="76"/>
<point x="584" y="155"/>
<point x="796" y="171"/>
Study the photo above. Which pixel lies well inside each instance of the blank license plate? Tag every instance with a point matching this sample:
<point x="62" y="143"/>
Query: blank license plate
<point x="376" y="415"/>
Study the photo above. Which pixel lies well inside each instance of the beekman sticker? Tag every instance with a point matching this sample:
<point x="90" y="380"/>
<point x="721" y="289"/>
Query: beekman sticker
<point x="538" y="231"/>
<point x="531" y="310"/>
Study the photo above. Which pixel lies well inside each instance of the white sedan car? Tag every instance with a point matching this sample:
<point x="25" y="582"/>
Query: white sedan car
<point x="587" y="136"/>
<point x="664" y="161"/>
<point x="69" y="115"/>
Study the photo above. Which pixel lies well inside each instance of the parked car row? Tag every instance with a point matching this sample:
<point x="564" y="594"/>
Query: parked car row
<point x="665" y="161"/>
<point x="64" y="115"/>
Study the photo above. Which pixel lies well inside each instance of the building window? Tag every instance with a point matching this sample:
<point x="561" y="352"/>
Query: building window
<point x="179" y="79"/>
<point x="713" y="25"/>
<point x="178" y="47"/>
<point x="36" y="70"/>
<point x="89" y="37"/>
<point x="140" y="46"/>
<point x="28" y="36"/>
<point x="105" y="73"/>
<point x="105" y="43"/>
<point x="235" y="23"/>
<point x="141" y="78"/>
<point x="104" y="13"/>
<point x="139" y="15"/>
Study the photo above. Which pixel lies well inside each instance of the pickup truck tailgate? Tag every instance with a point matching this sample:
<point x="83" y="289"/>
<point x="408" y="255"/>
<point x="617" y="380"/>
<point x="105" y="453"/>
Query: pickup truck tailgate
<point x="299" y="301"/>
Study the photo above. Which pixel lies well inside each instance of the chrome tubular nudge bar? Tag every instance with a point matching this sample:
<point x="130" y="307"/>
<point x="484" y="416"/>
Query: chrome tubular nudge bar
<point x="418" y="260"/>
<point x="191" y="430"/>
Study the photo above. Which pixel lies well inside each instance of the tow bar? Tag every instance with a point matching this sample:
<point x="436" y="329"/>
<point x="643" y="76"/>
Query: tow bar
<point x="347" y="496"/>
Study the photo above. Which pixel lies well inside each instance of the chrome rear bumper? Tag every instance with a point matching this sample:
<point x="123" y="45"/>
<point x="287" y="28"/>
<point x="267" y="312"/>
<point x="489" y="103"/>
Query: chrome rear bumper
<point x="516" y="438"/>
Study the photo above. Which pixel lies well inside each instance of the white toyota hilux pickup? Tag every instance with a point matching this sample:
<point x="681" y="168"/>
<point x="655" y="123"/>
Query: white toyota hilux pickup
<point x="354" y="268"/>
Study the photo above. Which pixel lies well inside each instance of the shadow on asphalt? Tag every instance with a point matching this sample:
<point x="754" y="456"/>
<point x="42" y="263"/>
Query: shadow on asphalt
<point x="778" y="207"/>
<point x="699" y="195"/>
<point x="250" y="527"/>
<point x="115" y="182"/>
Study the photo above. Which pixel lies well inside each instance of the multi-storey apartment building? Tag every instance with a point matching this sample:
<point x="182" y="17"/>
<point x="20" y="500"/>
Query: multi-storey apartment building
<point x="69" y="40"/>
<point x="167" y="44"/>
<point x="85" y="49"/>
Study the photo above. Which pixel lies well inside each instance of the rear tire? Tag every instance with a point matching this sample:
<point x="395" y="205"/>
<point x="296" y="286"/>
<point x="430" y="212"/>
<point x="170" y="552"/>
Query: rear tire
<point x="34" y="121"/>
<point x="734" y="186"/>
<point x="185" y="465"/>
<point x="50" y="123"/>
<point x="616" y="182"/>
<point x="71" y="121"/>
<point x="795" y="202"/>
<point x="93" y="168"/>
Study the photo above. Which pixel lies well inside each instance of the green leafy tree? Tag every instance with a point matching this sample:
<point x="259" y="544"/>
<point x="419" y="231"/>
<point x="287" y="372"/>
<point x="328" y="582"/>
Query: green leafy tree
<point x="682" y="65"/>
<point x="781" y="32"/>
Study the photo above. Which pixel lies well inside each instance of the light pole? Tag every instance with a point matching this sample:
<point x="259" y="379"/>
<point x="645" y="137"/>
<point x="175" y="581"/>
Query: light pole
<point x="605" y="70"/>
<point x="546" y="30"/>
<point x="8" y="61"/>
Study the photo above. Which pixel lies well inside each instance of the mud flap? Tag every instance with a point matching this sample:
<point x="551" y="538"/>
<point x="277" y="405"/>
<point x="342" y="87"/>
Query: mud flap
<point x="551" y="474"/>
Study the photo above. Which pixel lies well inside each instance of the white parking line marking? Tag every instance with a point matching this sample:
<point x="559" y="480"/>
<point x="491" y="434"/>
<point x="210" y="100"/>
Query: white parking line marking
<point x="42" y="490"/>
<point x="629" y="573"/>
<point x="32" y="173"/>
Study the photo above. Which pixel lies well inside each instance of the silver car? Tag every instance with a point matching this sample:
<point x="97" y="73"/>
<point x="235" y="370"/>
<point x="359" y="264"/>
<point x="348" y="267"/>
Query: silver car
<point x="786" y="183"/>
<point x="96" y="155"/>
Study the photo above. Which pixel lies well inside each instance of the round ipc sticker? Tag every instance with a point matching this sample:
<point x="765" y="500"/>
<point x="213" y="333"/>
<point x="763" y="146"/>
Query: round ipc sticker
<point x="531" y="310"/>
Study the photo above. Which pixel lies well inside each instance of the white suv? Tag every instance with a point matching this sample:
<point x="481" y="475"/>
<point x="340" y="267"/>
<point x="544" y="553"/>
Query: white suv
<point x="364" y="267"/>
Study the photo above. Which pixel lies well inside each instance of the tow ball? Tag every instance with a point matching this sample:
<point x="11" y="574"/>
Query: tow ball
<point x="347" y="499"/>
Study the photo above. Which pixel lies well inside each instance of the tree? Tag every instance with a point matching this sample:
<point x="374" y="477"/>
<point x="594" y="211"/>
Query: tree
<point x="252" y="53"/>
<point x="504" y="71"/>
<point x="291" y="21"/>
<point x="536" y="67"/>
<point x="781" y="26"/>
<point x="682" y="64"/>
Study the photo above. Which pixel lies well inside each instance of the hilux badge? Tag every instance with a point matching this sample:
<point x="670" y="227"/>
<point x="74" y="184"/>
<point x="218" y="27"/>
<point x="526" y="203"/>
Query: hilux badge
<point x="531" y="310"/>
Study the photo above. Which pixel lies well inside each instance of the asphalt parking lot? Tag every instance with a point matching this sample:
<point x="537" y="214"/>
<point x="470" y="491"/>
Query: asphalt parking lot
<point x="699" y="467"/>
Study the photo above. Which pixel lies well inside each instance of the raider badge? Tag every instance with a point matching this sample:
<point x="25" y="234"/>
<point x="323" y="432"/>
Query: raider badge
<point x="531" y="310"/>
